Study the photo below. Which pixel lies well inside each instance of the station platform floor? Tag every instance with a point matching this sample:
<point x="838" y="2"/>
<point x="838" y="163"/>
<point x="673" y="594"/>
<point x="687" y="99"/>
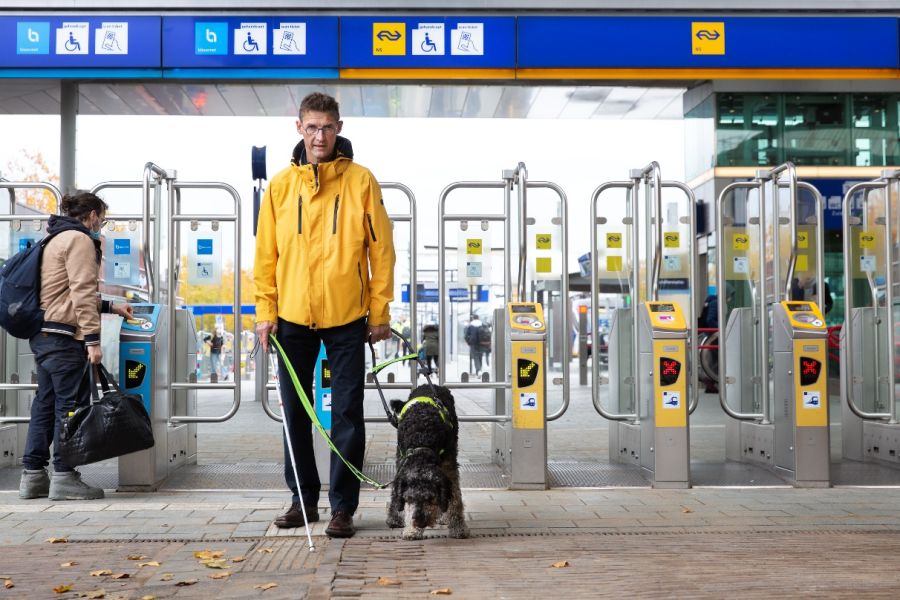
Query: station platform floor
<point x="600" y="531"/>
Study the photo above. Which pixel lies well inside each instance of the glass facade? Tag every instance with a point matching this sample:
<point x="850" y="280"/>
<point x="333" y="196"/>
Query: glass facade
<point x="807" y="129"/>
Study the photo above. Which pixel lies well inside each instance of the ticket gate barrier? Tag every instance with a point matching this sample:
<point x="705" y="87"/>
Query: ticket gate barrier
<point x="144" y="370"/>
<point x="800" y="392"/>
<point x="18" y="379"/>
<point x="646" y="405"/>
<point x="870" y="428"/>
<point x="757" y="389"/>
<point x="526" y="400"/>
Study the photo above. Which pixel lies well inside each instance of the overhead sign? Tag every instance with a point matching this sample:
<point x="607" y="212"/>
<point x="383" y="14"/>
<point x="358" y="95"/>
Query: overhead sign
<point x="37" y="41"/>
<point x="210" y="41"/>
<point x="733" y="42"/>
<point x="428" y="42"/>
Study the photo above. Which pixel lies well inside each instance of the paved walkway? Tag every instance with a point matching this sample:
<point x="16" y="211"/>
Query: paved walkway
<point x="639" y="542"/>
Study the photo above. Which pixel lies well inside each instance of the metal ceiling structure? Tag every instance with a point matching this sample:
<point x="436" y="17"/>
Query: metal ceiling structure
<point x="367" y="100"/>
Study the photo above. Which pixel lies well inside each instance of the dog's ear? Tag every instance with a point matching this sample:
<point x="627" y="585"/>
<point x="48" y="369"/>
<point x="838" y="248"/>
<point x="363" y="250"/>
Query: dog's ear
<point x="397" y="406"/>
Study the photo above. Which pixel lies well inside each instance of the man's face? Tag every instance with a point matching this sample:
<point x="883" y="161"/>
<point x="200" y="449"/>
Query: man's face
<point x="319" y="131"/>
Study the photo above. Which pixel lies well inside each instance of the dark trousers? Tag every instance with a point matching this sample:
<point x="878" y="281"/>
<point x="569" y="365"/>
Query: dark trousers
<point x="62" y="384"/>
<point x="345" y="347"/>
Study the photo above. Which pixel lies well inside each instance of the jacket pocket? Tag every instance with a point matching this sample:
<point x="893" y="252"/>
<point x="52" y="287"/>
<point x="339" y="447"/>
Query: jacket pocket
<point x="371" y="228"/>
<point x="300" y="216"/>
<point x="337" y="201"/>
<point x="361" y="286"/>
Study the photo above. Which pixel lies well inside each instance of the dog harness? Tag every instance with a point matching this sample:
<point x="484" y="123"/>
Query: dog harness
<point x="442" y="411"/>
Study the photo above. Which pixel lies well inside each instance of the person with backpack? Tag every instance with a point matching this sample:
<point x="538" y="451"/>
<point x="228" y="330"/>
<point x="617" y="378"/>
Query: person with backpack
<point x="472" y="337"/>
<point x="485" y="333"/>
<point x="68" y="340"/>
<point x="216" y="341"/>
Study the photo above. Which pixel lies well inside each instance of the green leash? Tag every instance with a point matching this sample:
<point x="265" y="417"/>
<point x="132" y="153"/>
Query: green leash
<point x="315" y="420"/>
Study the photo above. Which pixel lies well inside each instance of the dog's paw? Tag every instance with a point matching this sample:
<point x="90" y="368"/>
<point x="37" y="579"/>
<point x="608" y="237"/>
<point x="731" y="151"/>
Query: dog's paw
<point x="459" y="533"/>
<point x="413" y="533"/>
<point x="394" y="521"/>
<point x="444" y="519"/>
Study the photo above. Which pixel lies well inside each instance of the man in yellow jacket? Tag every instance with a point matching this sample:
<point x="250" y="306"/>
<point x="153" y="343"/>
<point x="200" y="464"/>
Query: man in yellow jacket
<point x="324" y="272"/>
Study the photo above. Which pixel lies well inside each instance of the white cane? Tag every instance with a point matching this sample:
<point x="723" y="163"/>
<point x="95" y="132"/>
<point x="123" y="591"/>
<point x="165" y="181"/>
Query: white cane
<point x="287" y="436"/>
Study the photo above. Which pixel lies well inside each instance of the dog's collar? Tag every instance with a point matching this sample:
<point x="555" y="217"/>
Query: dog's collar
<point x="426" y="400"/>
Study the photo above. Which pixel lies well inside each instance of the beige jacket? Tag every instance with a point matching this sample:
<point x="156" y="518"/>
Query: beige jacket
<point x="70" y="278"/>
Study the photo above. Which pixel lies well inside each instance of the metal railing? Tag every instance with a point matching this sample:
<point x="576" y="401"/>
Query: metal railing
<point x="12" y="218"/>
<point x="882" y="183"/>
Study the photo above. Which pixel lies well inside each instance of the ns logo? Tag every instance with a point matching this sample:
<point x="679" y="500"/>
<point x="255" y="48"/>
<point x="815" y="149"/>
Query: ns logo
<point x="473" y="246"/>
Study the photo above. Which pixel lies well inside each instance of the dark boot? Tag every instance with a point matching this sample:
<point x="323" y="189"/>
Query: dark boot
<point x="294" y="516"/>
<point x="35" y="483"/>
<point x="341" y="525"/>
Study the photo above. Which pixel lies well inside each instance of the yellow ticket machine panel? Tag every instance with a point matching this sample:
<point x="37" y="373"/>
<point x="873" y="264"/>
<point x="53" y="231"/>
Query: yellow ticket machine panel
<point x="811" y="363"/>
<point x="526" y="317"/>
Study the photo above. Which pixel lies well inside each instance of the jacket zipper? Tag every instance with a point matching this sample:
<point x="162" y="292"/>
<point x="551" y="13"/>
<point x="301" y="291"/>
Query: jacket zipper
<point x="337" y="201"/>
<point x="359" y="273"/>
<point x="371" y="229"/>
<point x="300" y="216"/>
<point x="316" y="173"/>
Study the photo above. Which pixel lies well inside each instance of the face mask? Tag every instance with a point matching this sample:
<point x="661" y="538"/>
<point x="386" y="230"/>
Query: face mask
<point x="95" y="235"/>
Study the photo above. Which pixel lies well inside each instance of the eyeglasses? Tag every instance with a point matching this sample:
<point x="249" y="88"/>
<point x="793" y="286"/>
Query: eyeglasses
<point x="328" y="130"/>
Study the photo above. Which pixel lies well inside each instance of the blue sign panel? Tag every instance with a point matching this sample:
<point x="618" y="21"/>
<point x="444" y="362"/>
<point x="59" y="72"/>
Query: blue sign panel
<point x="723" y="42"/>
<point x="79" y="41"/>
<point x="204" y="246"/>
<point x="121" y="246"/>
<point x="832" y="191"/>
<point x="243" y="42"/>
<point x="458" y="294"/>
<point x="428" y="42"/>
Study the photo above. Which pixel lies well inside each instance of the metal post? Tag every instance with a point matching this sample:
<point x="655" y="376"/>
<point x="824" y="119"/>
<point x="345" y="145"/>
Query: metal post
<point x="521" y="190"/>
<point x="68" y="113"/>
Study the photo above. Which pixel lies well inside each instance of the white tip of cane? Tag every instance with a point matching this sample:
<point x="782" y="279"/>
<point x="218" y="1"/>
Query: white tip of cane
<point x="312" y="548"/>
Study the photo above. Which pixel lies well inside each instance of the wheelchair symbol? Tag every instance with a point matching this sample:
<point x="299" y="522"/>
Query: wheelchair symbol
<point x="250" y="44"/>
<point x="428" y="45"/>
<point x="72" y="45"/>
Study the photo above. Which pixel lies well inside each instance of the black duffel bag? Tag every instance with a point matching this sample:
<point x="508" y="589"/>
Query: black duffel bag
<point x="110" y="426"/>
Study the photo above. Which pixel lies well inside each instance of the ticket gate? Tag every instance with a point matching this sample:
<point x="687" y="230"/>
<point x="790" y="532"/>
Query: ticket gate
<point x="869" y="424"/>
<point x="525" y="436"/>
<point x="144" y="370"/>
<point x="772" y="365"/>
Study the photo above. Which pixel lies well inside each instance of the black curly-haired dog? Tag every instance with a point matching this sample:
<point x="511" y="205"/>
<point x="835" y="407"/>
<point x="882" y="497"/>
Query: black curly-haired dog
<point x="426" y="490"/>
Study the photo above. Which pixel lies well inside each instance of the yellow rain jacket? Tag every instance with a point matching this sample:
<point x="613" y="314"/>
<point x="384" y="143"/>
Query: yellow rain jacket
<point x="324" y="247"/>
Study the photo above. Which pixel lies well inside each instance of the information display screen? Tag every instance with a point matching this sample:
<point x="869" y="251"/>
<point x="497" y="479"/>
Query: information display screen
<point x="523" y="308"/>
<point x="809" y="370"/>
<point x="800" y="307"/>
<point x="662" y="308"/>
<point x="142" y="310"/>
<point x="669" y="369"/>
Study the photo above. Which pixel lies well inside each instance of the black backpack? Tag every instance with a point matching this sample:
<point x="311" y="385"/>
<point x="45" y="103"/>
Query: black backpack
<point x="20" y="292"/>
<point x="484" y="335"/>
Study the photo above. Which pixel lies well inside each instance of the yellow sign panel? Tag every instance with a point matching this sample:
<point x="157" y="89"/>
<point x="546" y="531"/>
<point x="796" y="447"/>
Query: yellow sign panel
<point x="613" y="240"/>
<point x="388" y="39"/>
<point x="802" y="263"/>
<point x="670" y="383"/>
<point x="803" y="240"/>
<point x="543" y="264"/>
<point x="867" y="240"/>
<point x="528" y="385"/>
<point x="543" y="241"/>
<point x="708" y="38"/>
<point x="613" y="263"/>
<point x="740" y="241"/>
<point x="671" y="239"/>
<point x="811" y="369"/>
<point x="474" y="246"/>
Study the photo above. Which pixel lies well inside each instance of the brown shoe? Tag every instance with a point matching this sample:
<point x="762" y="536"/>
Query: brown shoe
<point x="341" y="525"/>
<point x="294" y="516"/>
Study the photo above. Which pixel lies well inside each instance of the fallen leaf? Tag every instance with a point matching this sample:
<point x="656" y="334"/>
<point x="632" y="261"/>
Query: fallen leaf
<point x="148" y="597"/>
<point x="238" y="559"/>
<point x="8" y="584"/>
<point x="686" y="510"/>
<point x="219" y="575"/>
<point x="101" y="573"/>
<point x="214" y="563"/>
<point x="167" y="577"/>
<point x="62" y="589"/>
<point x="264" y="586"/>
<point x="71" y="563"/>
<point x="387" y="581"/>
<point x="151" y="563"/>
<point x="5" y="577"/>
<point x="441" y="592"/>
<point x="94" y="594"/>
<point x="206" y="554"/>
<point x="266" y="550"/>
<point x="57" y="540"/>
<point x="560" y="564"/>
<point x="136" y="557"/>
<point x="186" y="582"/>
<point x="121" y="576"/>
